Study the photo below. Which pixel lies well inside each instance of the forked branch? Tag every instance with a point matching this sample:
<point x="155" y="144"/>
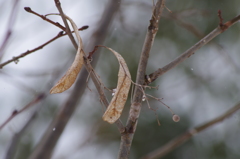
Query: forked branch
<point x="49" y="139"/>
<point x="16" y="58"/>
<point x="127" y="137"/>
<point x="44" y="17"/>
<point x="220" y="29"/>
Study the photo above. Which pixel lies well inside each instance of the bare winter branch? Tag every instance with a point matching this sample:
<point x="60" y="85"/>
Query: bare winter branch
<point x="46" y="145"/>
<point x="12" y="150"/>
<point x="16" y="112"/>
<point x="80" y="76"/>
<point x="67" y="30"/>
<point x="9" y="27"/>
<point x="220" y="29"/>
<point x="171" y="145"/>
<point x="60" y="34"/>
<point x="127" y="137"/>
<point x="28" y="9"/>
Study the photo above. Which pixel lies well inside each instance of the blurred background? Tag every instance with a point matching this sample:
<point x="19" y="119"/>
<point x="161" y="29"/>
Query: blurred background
<point x="201" y="88"/>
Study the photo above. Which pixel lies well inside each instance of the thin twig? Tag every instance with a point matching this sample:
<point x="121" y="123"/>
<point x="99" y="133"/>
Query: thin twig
<point x="171" y="145"/>
<point x="127" y="137"/>
<point x="9" y="27"/>
<point x="220" y="29"/>
<point x="19" y="84"/>
<point x="38" y="97"/>
<point x="67" y="30"/>
<point x="28" y="9"/>
<point x="16" y="112"/>
<point x="16" y="58"/>
<point x="188" y="26"/>
<point x="12" y="149"/>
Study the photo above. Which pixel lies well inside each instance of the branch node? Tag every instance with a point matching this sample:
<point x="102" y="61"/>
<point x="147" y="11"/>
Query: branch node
<point x="14" y="112"/>
<point x="60" y="33"/>
<point x="148" y="79"/>
<point x="134" y="111"/>
<point x="15" y="60"/>
<point x="41" y="96"/>
<point x="90" y="54"/>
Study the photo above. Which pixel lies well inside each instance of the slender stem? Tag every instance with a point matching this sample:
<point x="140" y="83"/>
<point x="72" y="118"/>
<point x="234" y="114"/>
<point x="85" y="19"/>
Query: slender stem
<point x="67" y="30"/>
<point x="171" y="145"/>
<point x="60" y="34"/>
<point x="12" y="149"/>
<point x="127" y="137"/>
<point x="9" y="27"/>
<point x="221" y="28"/>
<point x="16" y="58"/>
<point x="16" y="112"/>
<point x="19" y="84"/>
<point x="28" y="9"/>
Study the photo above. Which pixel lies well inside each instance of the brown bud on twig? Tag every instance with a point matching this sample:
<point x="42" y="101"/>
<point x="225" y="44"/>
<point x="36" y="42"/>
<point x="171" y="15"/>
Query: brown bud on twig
<point x="28" y="9"/>
<point x="14" y="112"/>
<point x="84" y="27"/>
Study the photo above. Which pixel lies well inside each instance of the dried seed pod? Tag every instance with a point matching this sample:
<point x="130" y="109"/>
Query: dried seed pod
<point x="119" y="99"/>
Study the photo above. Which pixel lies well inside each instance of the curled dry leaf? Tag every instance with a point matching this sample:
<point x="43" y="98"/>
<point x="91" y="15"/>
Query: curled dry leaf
<point x="118" y="101"/>
<point x="69" y="78"/>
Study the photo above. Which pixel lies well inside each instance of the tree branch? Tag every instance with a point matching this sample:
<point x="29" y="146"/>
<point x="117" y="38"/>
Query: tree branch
<point x="91" y="71"/>
<point x="28" y="9"/>
<point x="9" y="27"/>
<point x="127" y="137"/>
<point x="16" y="112"/>
<point x="67" y="30"/>
<point x="46" y="145"/>
<point x="16" y="58"/>
<point x="12" y="150"/>
<point x="220" y="29"/>
<point x="89" y="67"/>
<point x="99" y="33"/>
<point x="171" y="145"/>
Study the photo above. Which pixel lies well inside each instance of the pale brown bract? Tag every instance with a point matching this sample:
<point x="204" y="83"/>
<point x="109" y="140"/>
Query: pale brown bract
<point x="69" y="78"/>
<point x="119" y="99"/>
